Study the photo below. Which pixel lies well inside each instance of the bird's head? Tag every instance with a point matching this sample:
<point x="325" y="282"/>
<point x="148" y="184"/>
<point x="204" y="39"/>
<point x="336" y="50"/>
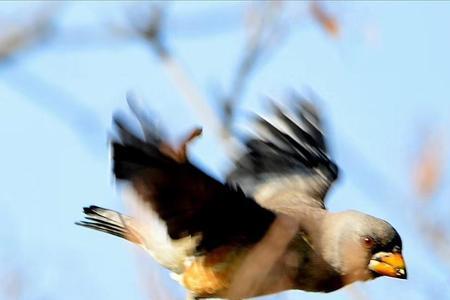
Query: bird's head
<point x="362" y="247"/>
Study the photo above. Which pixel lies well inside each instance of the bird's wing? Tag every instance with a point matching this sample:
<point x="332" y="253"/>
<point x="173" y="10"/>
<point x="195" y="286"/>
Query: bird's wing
<point x="190" y="202"/>
<point x="288" y="162"/>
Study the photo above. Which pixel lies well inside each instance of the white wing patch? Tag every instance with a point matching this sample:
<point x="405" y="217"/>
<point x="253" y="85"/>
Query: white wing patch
<point x="167" y="252"/>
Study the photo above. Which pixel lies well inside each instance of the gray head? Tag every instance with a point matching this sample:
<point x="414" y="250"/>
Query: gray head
<point x="362" y="247"/>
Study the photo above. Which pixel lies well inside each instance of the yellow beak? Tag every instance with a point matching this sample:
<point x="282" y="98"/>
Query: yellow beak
<point x="388" y="264"/>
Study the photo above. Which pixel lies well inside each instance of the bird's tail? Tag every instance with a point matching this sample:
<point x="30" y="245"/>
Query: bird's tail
<point x="112" y="222"/>
<point x="132" y="153"/>
<point x="146" y="230"/>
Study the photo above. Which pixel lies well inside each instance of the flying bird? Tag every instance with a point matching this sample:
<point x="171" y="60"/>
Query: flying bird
<point x="265" y="229"/>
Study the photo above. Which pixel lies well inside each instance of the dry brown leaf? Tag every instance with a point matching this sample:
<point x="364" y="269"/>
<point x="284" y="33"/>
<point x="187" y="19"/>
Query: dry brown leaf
<point x="428" y="168"/>
<point x="328" y="22"/>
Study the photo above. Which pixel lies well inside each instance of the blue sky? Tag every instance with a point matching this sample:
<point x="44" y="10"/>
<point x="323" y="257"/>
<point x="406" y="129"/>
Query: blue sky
<point x="382" y="83"/>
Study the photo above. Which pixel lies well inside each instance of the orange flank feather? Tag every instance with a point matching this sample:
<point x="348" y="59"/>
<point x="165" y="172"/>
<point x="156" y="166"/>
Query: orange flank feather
<point x="212" y="274"/>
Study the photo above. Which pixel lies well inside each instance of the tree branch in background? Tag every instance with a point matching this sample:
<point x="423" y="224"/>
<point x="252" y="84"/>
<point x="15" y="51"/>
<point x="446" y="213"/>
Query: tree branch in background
<point x="152" y="32"/>
<point x="62" y="105"/>
<point x="427" y="175"/>
<point x="18" y="37"/>
<point x="21" y="37"/>
<point x="150" y="280"/>
<point x="265" y="32"/>
<point x="13" y="285"/>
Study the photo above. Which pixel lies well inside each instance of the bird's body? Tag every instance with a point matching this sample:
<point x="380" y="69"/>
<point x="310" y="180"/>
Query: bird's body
<point x="265" y="230"/>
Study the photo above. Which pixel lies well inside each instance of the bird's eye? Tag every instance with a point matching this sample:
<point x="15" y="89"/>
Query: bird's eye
<point x="368" y="242"/>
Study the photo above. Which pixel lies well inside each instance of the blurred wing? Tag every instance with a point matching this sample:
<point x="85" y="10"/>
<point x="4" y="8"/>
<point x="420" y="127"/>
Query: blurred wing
<point x="190" y="202"/>
<point x="288" y="163"/>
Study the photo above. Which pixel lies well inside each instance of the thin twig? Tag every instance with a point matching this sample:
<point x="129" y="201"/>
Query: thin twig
<point x="152" y="33"/>
<point x="265" y="28"/>
<point x="17" y="37"/>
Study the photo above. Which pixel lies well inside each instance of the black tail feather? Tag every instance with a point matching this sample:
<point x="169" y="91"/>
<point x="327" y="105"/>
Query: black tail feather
<point x="101" y="219"/>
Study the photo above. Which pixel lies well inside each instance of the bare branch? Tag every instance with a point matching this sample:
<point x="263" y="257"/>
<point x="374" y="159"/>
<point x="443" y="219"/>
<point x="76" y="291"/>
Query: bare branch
<point x="265" y="28"/>
<point x="16" y="37"/>
<point x="152" y="33"/>
<point x="61" y="105"/>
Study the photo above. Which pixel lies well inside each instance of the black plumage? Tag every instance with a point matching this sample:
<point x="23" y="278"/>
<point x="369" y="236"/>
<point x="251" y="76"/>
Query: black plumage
<point x="296" y="147"/>
<point x="186" y="198"/>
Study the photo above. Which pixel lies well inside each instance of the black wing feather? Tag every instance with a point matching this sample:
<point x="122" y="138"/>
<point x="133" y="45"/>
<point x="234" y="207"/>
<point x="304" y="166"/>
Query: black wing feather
<point x="300" y="149"/>
<point x="187" y="199"/>
<point x="310" y="119"/>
